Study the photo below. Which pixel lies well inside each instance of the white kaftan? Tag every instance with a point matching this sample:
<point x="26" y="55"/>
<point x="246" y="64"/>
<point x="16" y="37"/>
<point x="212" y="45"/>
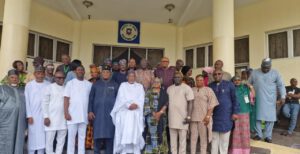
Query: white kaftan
<point x="34" y="93"/>
<point x="129" y="123"/>
<point x="53" y="107"/>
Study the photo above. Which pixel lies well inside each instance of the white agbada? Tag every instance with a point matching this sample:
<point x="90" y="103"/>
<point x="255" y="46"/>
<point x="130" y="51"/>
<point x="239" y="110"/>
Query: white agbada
<point x="34" y="93"/>
<point x="78" y="92"/>
<point x="129" y="124"/>
<point x="53" y="107"/>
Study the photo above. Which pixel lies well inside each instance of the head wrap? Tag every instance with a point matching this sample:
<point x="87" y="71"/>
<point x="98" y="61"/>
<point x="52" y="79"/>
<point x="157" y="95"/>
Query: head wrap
<point x="94" y="69"/>
<point x="235" y="78"/>
<point x="185" y="69"/>
<point x="208" y="70"/>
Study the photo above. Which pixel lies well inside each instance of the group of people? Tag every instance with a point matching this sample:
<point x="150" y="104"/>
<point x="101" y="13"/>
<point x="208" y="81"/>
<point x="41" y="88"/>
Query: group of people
<point x="124" y="109"/>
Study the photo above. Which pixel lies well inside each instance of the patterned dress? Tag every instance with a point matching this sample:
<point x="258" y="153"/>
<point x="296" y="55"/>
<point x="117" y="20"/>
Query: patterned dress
<point x="156" y="137"/>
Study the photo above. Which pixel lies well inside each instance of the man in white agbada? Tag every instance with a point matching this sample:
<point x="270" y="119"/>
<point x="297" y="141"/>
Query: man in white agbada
<point x="34" y="92"/>
<point x="127" y="116"/>
<point x="76" y="100"/>
<point x="53" y="109"/>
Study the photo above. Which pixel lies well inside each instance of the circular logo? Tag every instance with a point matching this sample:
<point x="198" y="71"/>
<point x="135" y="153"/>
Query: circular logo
<point x="129" y="32"/>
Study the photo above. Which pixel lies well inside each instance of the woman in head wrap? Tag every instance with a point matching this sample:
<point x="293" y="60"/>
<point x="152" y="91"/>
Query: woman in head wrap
<point x="95" y="73"/>
<point x="187" y="76"/>
<point x="156" y="100"/>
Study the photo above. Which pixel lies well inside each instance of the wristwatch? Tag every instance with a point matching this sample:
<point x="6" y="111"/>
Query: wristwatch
<point x="188" y="117"/>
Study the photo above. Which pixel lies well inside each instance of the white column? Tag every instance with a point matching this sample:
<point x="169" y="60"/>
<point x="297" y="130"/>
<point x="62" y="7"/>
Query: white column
<point x="14" y="39"/>
<point x="223" y="33"/>
<point x="179" y="43"/>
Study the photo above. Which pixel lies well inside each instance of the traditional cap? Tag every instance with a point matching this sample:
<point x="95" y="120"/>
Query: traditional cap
<point x="39" y="68"/>
<point x="267" y="62"/>
<point x="106" y="67"/>
<point x="115" y="63"/>
<point x="12" y="72"/>
<point x="123" y="62"/>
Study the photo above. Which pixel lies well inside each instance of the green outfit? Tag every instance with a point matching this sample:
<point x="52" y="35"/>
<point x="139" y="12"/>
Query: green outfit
<point x="243" y="95"/>
<point x="243" y="91"/>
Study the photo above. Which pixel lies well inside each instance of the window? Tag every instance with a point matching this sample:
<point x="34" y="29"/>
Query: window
<point x="100" y="54"/>
<point x="48" y="47"/>
<point x="241" y="50"/>
<point x="296" y="34"/>
<point x="284" y="43"/>
<point x="116" y="53"/>
<point x="189" y="57"/>
<point x="62" y="48"/>
<point x="199" y="56"/>
<point x="278" y="45"/>
<point x="30" y="49"/>
<point x="45" y="47"/>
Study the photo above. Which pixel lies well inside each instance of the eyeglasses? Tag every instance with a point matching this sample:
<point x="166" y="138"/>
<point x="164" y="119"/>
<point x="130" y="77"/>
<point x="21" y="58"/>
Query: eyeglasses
<point x="215" y="74"/>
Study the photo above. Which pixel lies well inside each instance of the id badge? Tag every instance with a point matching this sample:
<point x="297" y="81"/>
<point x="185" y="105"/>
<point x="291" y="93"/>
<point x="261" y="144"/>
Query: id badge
<point x="246" y="98"/>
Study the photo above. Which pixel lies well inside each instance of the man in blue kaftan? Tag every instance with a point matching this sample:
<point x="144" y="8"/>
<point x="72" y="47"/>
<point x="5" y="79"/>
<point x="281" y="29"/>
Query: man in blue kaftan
<point x="266" y="82"/>
<point x="101" y="102"/>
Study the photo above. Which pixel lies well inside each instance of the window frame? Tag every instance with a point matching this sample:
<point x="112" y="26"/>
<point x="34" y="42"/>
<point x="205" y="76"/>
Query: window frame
<point x="54" y="50"/>
<point x="206" y="58"/>
<point x="243" y="64"/>
<point x="290" y="41"/>
<point x="129" y="50"/>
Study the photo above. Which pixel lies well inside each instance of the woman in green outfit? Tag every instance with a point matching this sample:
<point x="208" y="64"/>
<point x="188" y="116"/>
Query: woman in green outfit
<point x="240" y="141"/>
<point x="19" y="66"/>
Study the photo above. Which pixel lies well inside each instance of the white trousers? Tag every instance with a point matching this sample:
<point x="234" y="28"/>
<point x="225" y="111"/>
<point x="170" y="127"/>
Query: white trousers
<point x="174" y="133"/>
<point x="41" y="151"/>
<point x="80" y="130"/>
<point x="220" y="142"/>
<point x="60" y="141"/>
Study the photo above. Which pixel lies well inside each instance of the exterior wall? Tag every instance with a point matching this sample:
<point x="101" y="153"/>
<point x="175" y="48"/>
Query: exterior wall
<point x="254" y="20"/>
<point x="106" y="32"/>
